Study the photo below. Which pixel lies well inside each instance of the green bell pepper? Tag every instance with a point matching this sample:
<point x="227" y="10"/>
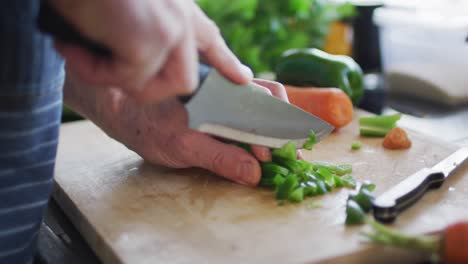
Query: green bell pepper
<point x="313" y="67"/>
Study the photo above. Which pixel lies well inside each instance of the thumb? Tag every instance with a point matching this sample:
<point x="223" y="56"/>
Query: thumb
<point x="228" y="161"/>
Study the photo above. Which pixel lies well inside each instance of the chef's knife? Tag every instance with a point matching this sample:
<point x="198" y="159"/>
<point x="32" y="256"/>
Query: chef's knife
<point x="218" y="107"/>
<point x="387" y="206"/>
<point x="247" y="114"/>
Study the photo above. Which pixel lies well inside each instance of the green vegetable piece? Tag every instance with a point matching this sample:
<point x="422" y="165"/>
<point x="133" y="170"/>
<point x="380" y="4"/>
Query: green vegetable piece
<point x="285" y="153"/>
<point x="313" y="67"/>
<point x="321" y="187"/>
<point x="349" y="181"/>
<point x="297" y="195"/>
<point x="368" y="186"/>
<point x="354" y="214"/>
<point x="327" y="177"/>
<point x="363" y="198"/>
<point x="340" y="169"/>
<point x="310" y="188"/>
<point x="387" y="121"/>
<point x="270" y="169"/>
<point x="377" y="126"/>
<point x="284" y="190"/>
<point x="306" y="166"/>
<point x="266" y="182"/>
<point x="292" y="165"/>
<point x="338" y="181"/>
<point x="278" y="180"/>
<point x="356" y="145"/>
<point x="311" y="141"/>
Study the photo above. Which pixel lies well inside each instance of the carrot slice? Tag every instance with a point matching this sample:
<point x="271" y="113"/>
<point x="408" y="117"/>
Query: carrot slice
<point x="396" y="139"/>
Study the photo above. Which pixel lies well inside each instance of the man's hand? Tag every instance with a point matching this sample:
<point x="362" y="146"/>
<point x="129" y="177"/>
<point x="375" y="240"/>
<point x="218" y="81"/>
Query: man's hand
<point x="159" y="132"/>
<point x="155" y="45"/>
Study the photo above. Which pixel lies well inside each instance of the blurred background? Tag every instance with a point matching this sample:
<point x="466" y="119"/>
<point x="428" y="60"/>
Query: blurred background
<point x="414" y="54"/>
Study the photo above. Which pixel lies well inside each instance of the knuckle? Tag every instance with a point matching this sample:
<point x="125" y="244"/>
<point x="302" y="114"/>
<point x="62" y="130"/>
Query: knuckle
<point x="217" y="163"/>
<point x="167" y="36"/>
<point x="277" y="87"/>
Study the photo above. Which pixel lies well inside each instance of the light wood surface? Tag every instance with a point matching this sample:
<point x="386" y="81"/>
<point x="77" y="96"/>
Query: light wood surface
<point x="133" y="212"/>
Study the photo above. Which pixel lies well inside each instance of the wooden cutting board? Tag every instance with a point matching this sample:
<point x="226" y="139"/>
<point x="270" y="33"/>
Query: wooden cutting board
<point x="133" y="212"/>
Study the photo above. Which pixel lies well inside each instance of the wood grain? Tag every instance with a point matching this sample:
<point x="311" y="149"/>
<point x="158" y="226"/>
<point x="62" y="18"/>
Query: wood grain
<point x="132" y="212"/>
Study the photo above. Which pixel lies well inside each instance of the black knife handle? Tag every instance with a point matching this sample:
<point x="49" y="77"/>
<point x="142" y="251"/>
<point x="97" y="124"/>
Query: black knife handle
<point x="388" y="205"/>
<point x="53" y="23"/>
<point x="50" y="21"/>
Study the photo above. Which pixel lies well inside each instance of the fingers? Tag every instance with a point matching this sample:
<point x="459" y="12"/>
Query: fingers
<point x="215" y="51"/>
<point x="178" y="77"/>
<point x="88" y="67"/>
<point x="276" y="88"/>
<point x="261" y="153"/>
<point x="229" y="161"/>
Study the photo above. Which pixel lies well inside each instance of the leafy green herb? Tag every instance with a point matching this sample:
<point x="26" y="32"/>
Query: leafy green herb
<point x="377" y="126"/>
<point x="356" y="145"/>
<point x="311" y="141"/>
<point x="259" y="31"/>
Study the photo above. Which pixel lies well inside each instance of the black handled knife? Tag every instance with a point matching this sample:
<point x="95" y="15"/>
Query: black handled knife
<point x="387" y="206"/>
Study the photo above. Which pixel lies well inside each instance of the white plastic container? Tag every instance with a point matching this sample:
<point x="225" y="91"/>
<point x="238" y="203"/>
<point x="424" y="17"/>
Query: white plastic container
<point x="425" y="51"/>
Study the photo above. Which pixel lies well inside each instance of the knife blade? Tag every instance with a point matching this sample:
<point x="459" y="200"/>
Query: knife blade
<point x="218" y="107"/>
<point x="390" y="204"/>
<point x="246" y="114"/>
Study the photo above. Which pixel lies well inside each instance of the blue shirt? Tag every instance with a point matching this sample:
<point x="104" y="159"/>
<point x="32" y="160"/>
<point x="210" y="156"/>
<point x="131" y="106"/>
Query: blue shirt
<point x="31" y="80"/>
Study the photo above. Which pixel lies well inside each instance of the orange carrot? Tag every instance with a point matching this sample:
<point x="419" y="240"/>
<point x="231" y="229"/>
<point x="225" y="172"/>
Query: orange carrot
<point x="329" y="104"/>
<point x="455" y="243"/>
